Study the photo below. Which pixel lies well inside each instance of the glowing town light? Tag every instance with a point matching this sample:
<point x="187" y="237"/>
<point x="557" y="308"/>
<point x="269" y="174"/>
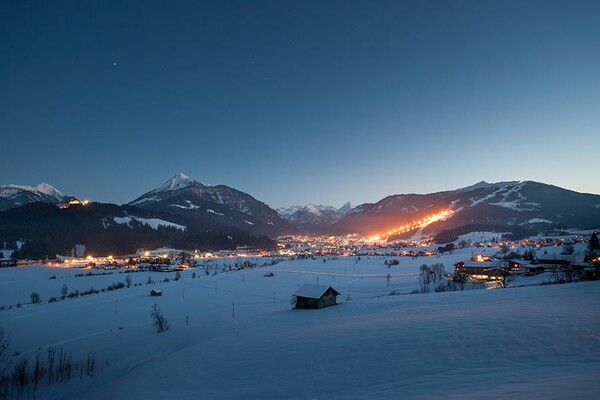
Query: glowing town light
<point x="414" y="226"/>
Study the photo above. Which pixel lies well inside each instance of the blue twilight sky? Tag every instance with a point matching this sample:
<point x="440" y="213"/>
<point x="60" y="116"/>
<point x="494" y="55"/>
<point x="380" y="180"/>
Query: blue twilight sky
<point x="299" y="101"/>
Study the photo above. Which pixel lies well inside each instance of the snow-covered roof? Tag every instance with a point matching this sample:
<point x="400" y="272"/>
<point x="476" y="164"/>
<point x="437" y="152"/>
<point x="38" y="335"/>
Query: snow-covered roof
<point x="312" y="291"/>
<point x="478" y="264"/>
<point x="525" y="263"/>
<point x="561" y="257"/>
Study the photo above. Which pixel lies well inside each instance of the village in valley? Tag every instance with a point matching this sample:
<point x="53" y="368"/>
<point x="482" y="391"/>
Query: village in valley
<point x="299" y="200"/>
<point x="475" y="260"/>
<point x="187" y="291"/>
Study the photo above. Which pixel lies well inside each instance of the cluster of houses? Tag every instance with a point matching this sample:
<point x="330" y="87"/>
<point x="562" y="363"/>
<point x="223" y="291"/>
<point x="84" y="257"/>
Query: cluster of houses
<point x="485" y="268"/>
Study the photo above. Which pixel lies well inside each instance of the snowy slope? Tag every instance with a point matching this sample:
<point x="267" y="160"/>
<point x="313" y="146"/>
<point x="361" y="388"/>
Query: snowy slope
<point x="177" y="182"/>
<point x="154" y="223"/>
<point x="502" y="206"/>
<point x="241" y="340"/>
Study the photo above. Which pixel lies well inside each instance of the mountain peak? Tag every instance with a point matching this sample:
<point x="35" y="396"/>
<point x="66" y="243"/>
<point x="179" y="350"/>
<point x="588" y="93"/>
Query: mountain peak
<point x="48" y="189"/>
<point x="24" y="194"/>
<point x="177" y="182"/>
<point x="345" y="209"/>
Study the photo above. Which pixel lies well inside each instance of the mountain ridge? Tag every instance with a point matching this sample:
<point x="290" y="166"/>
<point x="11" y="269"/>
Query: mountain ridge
<point x="312" y="218"/>
<point x="509" y="204"/>
<point x="219" y="204"/>
<point x="12" y="195"/>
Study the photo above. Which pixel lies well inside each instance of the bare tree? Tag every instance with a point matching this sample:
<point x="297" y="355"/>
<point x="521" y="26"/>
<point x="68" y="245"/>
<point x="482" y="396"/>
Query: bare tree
<point x="38" y="371"/>
<point x="437" y="272"/>
<point x="158" y="320"/>
<point x="5" y="361"/>
<point x="425" y="273"/>
<point x="505" y="280"/>
<point x="460" y="279"/>
<point x="35" y="297"/>
<point x="424" y="278"/>
<point x="90" y="365"/>
<point x="20" y="375"/>
<point x="64" y="366"/>
<point x="64" y="290"/>
<point x="51" y="358"/>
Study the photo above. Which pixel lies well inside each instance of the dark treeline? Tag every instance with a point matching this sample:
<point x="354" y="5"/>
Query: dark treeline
<point x="48" y="230"/>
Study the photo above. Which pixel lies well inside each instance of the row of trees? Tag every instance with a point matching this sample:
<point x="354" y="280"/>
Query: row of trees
<point x="57" y="366"/>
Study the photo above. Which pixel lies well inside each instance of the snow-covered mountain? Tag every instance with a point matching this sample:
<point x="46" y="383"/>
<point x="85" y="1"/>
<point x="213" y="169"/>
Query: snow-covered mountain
<point x="513" y="205"/>
<point x="18" y="195"/>
<point x="313" y="218"/>
<point x="216" y="206"/>
<point x="346" y="208"/>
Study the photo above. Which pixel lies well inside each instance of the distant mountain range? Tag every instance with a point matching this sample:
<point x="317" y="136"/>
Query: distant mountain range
<point x="18" y="195"/>
<point x="314" y="219"/>
<point x="182" y="212"/>
<point x="187" y="213"/>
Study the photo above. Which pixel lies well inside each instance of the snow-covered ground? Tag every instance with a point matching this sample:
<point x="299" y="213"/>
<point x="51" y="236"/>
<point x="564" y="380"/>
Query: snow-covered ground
<point x="234" y="334"/>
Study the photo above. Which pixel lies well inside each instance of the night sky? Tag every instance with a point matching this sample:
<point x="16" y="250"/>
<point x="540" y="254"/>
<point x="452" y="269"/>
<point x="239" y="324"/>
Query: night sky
<point x="297" y="102"/>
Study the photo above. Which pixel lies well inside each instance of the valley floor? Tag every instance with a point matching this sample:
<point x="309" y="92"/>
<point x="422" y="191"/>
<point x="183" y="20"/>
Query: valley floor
<point x="235" y="336"/>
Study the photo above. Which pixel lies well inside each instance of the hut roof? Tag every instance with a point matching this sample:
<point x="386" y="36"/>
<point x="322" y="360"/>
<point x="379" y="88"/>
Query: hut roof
<point x="313" y="291"/>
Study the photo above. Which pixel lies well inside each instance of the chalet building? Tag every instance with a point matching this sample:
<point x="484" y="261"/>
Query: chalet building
<point x="559" y="261"/>
<point x="479" y="270"/>
<point x="524" y="267"/>
<point x="315" y="296"/>
<point x="160" y="268"/>
<point x="516" y="266"/>
<point x="534" y="269"/>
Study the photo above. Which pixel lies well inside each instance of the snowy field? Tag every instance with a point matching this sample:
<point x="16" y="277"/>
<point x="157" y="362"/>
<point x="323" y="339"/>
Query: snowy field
<point x="234" y="334"/>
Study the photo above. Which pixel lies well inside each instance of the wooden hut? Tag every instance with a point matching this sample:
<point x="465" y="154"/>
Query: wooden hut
<point x="315" y="296"/>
